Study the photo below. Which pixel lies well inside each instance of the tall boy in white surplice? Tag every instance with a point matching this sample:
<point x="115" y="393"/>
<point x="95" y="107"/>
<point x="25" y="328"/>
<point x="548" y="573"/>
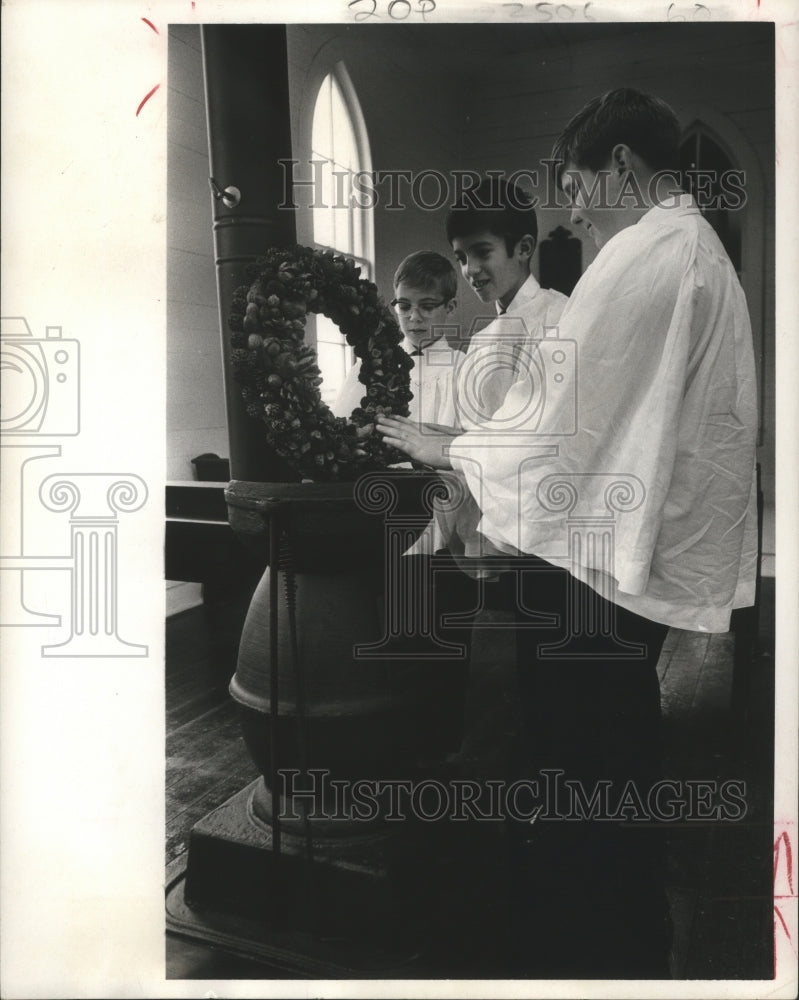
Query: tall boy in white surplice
<point x="655" y="526"/>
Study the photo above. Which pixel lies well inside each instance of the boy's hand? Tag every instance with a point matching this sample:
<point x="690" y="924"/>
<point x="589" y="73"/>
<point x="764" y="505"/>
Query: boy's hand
<point x="442" y="429"/>
<point x="427" y="445"/>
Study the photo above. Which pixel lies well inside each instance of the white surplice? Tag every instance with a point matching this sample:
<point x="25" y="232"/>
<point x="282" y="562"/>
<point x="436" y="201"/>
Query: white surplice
<point x="497" y="356"/>
<point x="636" y="428"/>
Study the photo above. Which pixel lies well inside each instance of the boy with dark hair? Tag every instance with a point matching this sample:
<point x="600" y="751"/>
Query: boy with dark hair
<point x="643" y="518"/>
<point x="620" y="116"/>
<point x="496" y="206"/>
<point x="493" y="231"/>
<point x="614" y="156"/>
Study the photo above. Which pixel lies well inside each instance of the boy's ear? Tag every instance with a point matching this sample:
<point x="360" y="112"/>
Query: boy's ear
<point x="451" y="305"/>
<point x="526" y="246"/>
<point x="621" y="158"/>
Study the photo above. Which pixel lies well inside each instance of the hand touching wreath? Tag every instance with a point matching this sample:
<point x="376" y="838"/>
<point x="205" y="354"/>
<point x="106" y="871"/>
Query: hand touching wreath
<point x="425" y="443"/>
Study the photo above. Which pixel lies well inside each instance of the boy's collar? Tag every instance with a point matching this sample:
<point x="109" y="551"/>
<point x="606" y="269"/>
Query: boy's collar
<point x="681" y="204"/>
<point x="529" y="289"/>
<point x="410" y="348"/>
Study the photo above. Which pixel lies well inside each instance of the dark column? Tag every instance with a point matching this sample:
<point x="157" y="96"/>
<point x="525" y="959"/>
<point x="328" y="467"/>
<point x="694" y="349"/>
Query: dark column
<point x="247" y="104"/>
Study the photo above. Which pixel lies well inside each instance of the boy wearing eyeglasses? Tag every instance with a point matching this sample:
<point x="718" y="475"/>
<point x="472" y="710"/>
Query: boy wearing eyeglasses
<point x="425" y="285"/>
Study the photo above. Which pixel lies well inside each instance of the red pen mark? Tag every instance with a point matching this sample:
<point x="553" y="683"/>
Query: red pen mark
<point x="147" y="98"/>
<point x="784" y="843"/>
<point x="783" y="887"/>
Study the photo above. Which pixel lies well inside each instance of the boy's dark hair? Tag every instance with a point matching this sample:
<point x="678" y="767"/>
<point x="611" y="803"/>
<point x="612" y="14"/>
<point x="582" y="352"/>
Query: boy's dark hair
<point x="427" y="269"/>
<point x="497" y="206"/>
<point x="644" y="123"/>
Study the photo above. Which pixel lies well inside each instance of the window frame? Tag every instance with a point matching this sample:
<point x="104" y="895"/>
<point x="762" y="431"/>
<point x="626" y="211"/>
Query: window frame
<point x="325" y="67"/>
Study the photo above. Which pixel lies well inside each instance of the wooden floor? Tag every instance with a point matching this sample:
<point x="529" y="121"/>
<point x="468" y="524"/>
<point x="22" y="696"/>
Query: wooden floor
<point x="206" y="760"/>
<point x="719" y="876"/>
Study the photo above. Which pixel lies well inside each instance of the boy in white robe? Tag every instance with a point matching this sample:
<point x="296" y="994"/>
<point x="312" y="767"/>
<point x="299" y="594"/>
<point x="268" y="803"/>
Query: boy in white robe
<point x="636" y="512"/>
<point x="425" y="288"/>
<point x="493" y="232"/>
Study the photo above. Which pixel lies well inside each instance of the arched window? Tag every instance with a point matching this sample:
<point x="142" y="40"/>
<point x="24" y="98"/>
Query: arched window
<point x="704" y="164"/>
<point x="340" y="223"/>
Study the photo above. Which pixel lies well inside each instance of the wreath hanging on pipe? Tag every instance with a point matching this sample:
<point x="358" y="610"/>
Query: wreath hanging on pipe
<point x="279" y="373"/>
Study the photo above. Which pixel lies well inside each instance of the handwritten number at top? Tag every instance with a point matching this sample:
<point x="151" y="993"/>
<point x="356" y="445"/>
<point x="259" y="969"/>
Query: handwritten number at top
<point x="364" y="15"/>
<point x="397" y="10"/>
<point x="402" y="10"/>
<point x="550" y="11"/>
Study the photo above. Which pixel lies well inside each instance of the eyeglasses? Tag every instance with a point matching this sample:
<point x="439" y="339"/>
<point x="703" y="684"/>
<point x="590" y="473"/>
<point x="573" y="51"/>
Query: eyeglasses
<point x="426" y="307"/>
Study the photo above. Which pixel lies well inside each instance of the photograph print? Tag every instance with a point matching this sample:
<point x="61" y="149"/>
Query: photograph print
<point x="470" y="549"/>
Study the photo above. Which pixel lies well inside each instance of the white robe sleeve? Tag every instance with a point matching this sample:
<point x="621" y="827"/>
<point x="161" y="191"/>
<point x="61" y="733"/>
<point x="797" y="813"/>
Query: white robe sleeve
<point x="602" y="401"/>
